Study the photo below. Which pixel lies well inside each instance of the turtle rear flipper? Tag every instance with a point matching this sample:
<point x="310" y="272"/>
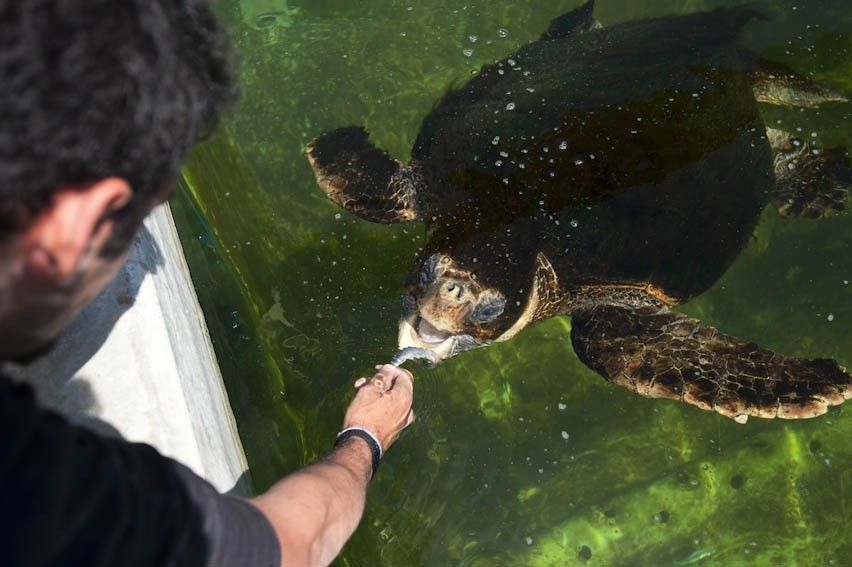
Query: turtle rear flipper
<point x="661" y="354"/>
<point x="774" y="83"/>
<point x="363" y="179"/>
<point x="810" y="182"/>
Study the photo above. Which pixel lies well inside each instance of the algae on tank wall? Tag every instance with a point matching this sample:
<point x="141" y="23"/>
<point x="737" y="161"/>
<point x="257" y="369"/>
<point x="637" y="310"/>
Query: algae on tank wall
<point x="519" y="455"/>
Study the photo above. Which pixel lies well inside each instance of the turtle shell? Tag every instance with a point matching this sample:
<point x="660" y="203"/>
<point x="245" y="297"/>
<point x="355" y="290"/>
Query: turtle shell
<point x="636" y="151"/>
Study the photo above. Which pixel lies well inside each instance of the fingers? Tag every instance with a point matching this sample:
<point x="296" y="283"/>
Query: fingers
<point x="404" y="381"/>
<point x="380" y="382"/>
<point x="386" y="381"/>
<point x="387" y="378"/>
<point x="390" y="370"/>
<point x="382" y="404"/>
<point x="397" y="375"/>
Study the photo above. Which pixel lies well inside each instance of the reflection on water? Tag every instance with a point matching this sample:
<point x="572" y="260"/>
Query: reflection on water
<point x="521" y="455"/>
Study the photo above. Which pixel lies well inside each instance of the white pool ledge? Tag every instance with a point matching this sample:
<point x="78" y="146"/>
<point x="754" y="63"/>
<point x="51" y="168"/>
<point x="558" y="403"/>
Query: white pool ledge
<point x="138" y="362"/>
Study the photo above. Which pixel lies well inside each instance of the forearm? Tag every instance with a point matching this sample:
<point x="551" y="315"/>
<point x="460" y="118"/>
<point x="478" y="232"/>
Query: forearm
<point x="316" y="509"/>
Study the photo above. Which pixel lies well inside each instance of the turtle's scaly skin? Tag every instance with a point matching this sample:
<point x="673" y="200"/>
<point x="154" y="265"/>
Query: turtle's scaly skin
<point x="811" y="182"/>
<point x="347" y="160"/>
<point x="662" y="354"/>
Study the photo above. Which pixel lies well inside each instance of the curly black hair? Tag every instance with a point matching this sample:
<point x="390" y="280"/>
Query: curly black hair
<point x="97" y="88"/>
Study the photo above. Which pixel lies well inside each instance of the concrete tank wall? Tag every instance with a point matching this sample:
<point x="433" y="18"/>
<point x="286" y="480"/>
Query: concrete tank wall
<point x="138" y="363"/>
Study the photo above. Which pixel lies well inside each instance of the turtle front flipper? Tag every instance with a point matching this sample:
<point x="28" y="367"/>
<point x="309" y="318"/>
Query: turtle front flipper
<point x="810" y="182"/>
<point x="363" y="179"/>
<point x="661" y="354"/>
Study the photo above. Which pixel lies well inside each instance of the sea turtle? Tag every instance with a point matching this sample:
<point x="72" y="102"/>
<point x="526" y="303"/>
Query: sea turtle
<point x="609" y="174"/>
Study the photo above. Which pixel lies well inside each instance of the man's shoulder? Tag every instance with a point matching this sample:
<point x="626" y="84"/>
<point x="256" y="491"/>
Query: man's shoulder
<point x="61" y="478"/>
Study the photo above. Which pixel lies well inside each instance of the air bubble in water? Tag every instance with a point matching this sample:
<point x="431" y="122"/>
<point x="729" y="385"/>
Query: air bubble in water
<point x="503" y="32"/>
<point x="510" y="106"/>
<point x="467" y="52"/>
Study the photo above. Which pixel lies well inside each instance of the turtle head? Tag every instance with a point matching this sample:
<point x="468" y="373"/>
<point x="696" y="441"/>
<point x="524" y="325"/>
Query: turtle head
<point x="449" y="310"/>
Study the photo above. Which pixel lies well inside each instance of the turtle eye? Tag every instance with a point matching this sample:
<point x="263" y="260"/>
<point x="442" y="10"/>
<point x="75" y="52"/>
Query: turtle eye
<point x="489" y="307"/>
<point x="430" y="270"/>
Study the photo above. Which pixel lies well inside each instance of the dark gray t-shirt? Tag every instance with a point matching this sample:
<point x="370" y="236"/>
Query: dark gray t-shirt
<point x="71" y="497"/>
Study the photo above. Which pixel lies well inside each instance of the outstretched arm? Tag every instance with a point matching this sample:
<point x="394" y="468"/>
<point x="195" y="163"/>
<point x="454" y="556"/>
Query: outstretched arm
<point x="315" y="510"/>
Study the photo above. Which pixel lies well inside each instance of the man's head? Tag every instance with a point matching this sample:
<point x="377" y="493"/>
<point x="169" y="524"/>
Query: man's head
<point x="100" y="101"/>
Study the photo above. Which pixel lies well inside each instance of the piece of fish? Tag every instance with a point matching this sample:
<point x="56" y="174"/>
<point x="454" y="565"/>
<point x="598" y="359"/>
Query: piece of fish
<point x="413" y="353"/>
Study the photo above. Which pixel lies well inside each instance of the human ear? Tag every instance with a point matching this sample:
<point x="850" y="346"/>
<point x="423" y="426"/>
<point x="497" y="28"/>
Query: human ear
<point x="77" y="222"/>
<point x="489" y="306"/>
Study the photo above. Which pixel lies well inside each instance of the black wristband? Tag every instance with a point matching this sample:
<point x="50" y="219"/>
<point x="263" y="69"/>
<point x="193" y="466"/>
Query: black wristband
<point x="372" y="442"/>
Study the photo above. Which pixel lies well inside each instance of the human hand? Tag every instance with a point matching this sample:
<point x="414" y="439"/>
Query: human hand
<point x="383" y="404"/>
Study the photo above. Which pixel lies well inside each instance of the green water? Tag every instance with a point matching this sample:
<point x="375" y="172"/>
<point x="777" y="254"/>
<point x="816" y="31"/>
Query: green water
<point x="519" y="455"/>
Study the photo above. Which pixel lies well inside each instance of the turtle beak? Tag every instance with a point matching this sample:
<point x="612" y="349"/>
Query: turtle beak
<point x="410" y="335"/>
<point x="417" y="333"/>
